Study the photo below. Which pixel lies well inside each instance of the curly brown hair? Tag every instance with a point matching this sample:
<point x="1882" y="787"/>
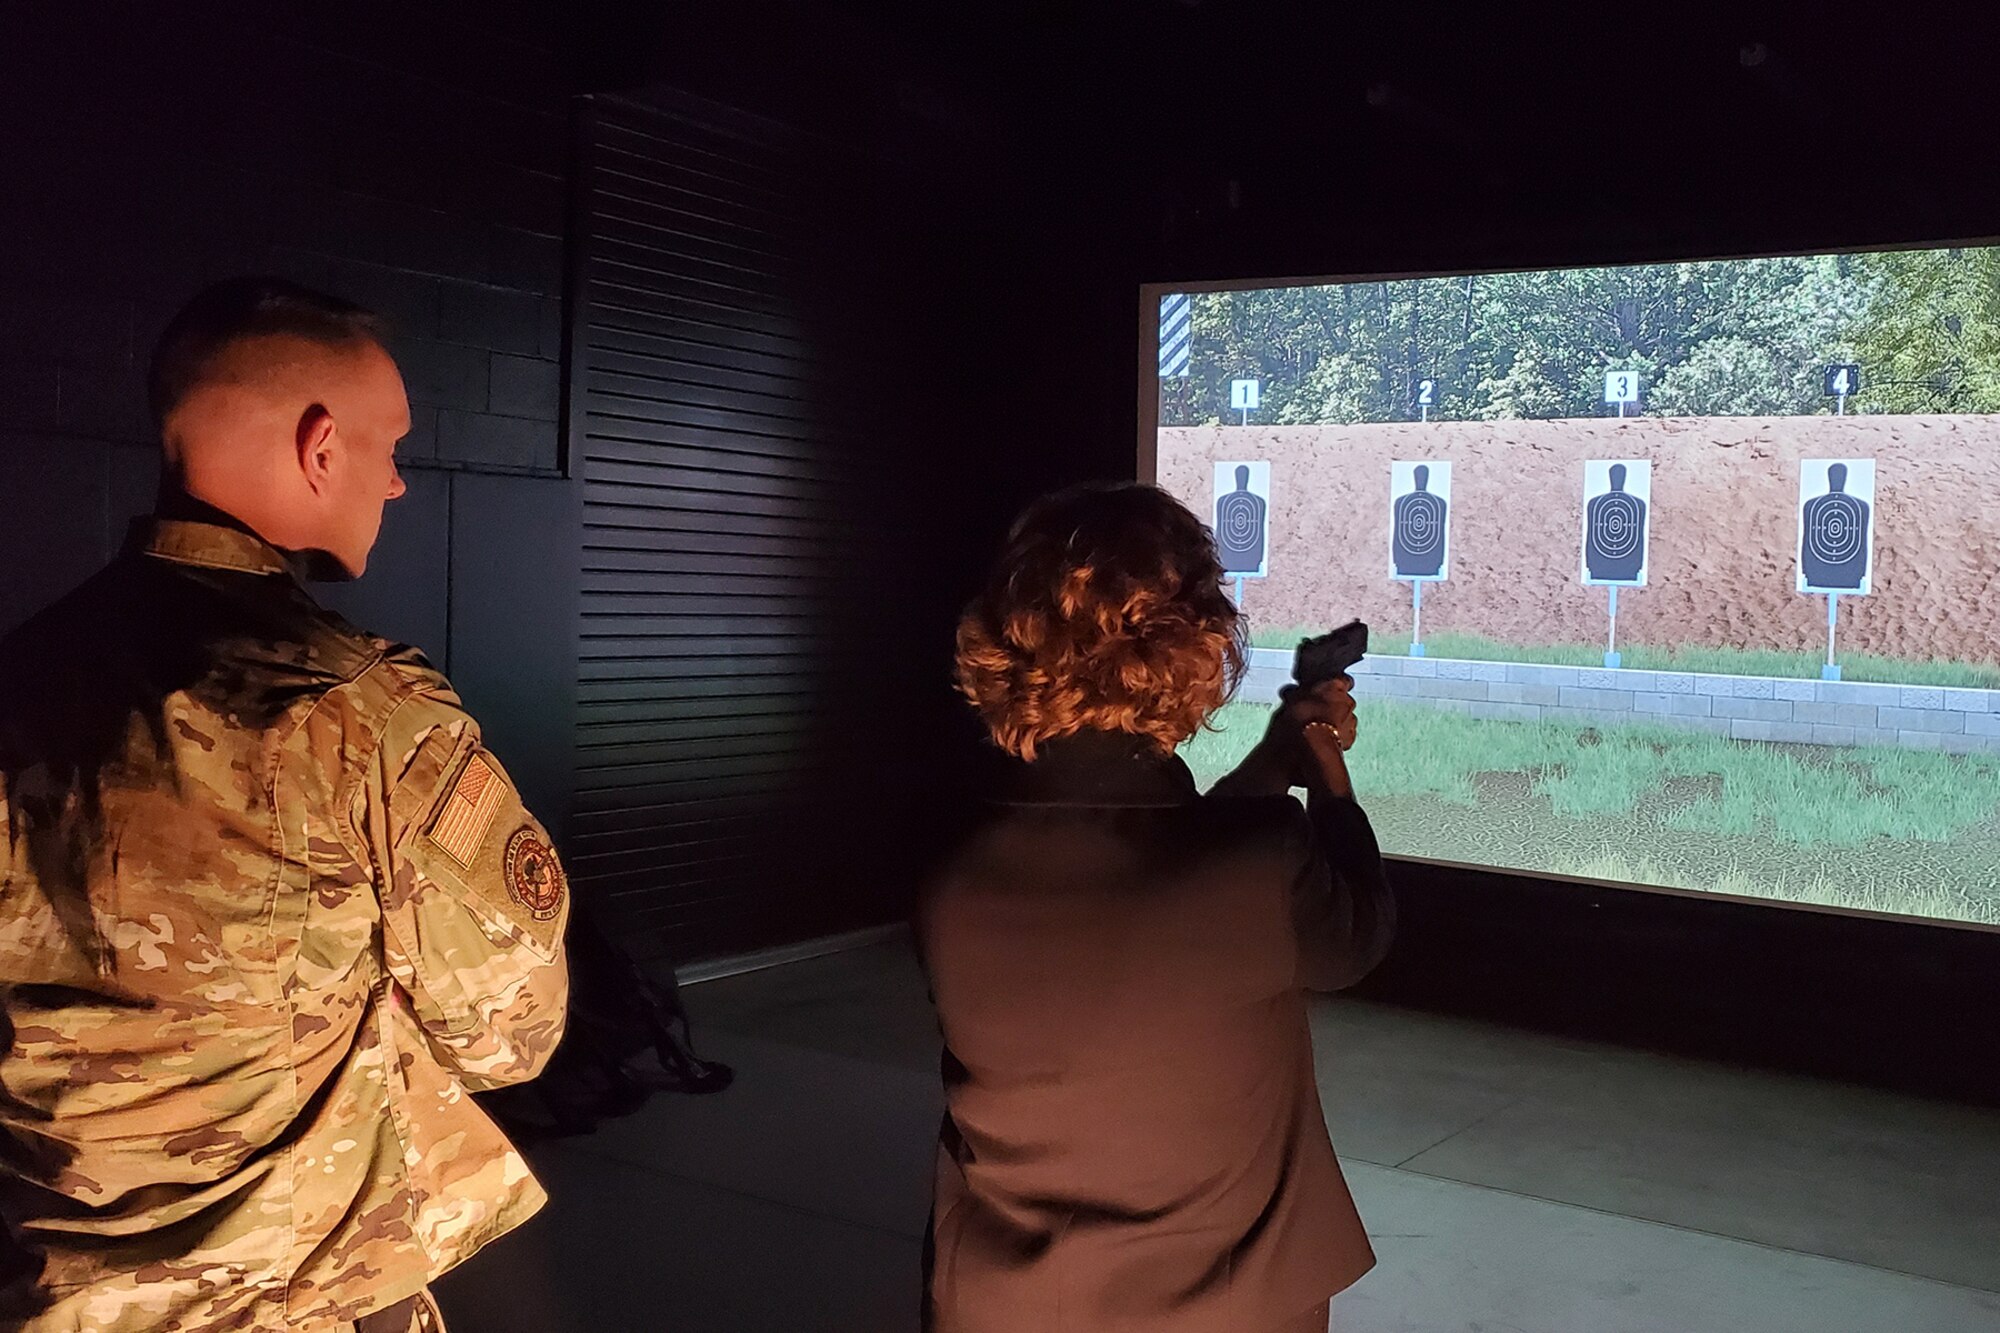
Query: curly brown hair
<point x="1105" y="612"/>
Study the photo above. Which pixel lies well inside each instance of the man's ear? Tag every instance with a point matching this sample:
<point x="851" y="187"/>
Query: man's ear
<point x="315" y="445"/>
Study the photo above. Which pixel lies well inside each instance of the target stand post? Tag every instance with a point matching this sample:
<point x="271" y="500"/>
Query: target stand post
<point x="1416" y="617"/>
<point x="1612" y="657"/>
<point x="1239" y="592"/>
<point x="1831" y="671"/>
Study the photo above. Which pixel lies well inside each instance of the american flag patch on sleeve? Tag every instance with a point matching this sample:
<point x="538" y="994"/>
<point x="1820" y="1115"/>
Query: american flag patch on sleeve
<point x="461" y="824"/>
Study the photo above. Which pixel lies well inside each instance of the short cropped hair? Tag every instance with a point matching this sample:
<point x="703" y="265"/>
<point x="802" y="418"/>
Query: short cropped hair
<point x="1106" y="612"/>
<point x="235" y="309"/>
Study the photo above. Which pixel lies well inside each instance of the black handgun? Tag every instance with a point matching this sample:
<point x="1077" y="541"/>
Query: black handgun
<point x="1330" y="655"/>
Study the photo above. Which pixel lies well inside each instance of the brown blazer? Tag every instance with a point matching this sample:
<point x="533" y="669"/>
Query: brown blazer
<point x="1133" y="1137"/>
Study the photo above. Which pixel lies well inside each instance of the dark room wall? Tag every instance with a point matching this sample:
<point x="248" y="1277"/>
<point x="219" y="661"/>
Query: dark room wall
<point x="788" y="465"/>
<point x="769" y="500"/>
<point x="833" y="330"/>
<point x="406" y="157"/>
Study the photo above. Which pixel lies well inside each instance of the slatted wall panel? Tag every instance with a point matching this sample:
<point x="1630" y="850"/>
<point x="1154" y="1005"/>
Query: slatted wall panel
<point x="738" y="529"/>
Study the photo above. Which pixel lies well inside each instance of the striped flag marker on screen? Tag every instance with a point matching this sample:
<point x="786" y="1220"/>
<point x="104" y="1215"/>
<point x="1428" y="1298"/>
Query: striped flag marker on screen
<point x="1176" y="334"/>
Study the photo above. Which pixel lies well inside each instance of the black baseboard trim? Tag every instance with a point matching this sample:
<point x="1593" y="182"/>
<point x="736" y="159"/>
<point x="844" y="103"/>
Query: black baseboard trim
<point x="1898" y="1004"/>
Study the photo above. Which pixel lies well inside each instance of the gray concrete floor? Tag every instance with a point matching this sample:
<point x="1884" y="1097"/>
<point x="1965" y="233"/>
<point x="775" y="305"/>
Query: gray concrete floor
<point x="1513" y="1183"/>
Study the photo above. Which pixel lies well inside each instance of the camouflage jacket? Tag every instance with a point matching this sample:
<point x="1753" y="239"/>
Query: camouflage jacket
<point x="268" y="911"/>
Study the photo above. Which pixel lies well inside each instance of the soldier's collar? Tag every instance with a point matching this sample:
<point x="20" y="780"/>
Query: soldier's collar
<point x="210" y="545"/>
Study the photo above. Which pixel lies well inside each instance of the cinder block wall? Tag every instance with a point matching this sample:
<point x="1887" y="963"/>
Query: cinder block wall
<point x="1745" y="708"/>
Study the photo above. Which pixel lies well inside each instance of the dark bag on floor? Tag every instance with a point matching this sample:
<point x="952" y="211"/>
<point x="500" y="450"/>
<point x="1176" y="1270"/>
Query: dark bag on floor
<point x="617" y="1013"/>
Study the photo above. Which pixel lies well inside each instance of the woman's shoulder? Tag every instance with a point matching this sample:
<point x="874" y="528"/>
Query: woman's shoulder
<point x="1280" y="817"/>
<point x="1230" y="833"/>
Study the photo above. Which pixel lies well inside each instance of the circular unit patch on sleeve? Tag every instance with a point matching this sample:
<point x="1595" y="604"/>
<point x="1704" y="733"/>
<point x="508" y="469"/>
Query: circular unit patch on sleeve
<point x="534" y="876"/>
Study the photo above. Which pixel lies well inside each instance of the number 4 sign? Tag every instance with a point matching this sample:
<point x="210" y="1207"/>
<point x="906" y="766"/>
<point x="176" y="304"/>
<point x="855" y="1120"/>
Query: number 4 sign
<point x="1841" y="382"/>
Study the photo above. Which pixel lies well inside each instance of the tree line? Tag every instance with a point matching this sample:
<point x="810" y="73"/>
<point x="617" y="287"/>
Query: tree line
<point x="1717" y="338"/>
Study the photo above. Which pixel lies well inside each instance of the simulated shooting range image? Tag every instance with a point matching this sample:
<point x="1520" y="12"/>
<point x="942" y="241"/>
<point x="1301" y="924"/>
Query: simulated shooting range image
<point x="1683" y="579"/>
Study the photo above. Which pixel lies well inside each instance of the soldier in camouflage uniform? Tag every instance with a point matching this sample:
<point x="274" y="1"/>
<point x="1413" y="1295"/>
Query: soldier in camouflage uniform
<point x="269" y="910"/>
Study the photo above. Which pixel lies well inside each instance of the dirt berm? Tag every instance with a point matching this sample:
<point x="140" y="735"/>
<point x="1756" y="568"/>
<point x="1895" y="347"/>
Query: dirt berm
<point x="1724" y="528"/>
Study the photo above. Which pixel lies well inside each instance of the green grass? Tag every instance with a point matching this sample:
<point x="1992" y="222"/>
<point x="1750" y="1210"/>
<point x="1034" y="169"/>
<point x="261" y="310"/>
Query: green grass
<point x="1223" y="743"/>
<point x="1912" y="832"/>
<point x="1685" y="657"/>
<point x="1943" y="902"/>
<point x="1820" y="798"/>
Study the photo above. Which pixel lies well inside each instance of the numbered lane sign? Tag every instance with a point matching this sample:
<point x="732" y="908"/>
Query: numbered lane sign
<point x="1420" y="521"/>
<point x="1836" y="525"/>
<point x="1242" y="513"/>
<point x="1426" y="393"/>
<point x="1617" y="507"/>
<point x="1244" y="395"/>
<point x="1621" y="386"/>
<point x="1843" y="380"/>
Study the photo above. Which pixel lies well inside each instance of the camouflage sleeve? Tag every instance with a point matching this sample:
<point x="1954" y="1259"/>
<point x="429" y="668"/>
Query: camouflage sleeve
<point x="474" y="900"/>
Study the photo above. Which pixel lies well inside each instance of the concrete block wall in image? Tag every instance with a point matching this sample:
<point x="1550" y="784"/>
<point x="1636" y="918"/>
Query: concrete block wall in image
<point x="1745" y="708"/>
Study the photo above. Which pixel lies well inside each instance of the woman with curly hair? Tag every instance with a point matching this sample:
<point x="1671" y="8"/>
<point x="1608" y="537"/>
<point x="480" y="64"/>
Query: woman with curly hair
<point x="1133" y="1137"/>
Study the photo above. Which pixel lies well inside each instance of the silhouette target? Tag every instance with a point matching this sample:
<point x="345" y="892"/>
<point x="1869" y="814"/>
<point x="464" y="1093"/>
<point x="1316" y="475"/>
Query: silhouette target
<point x="1835" y="550"/>
<point x="1615" y="532"/>
<point x="1239" y="527"/>
<point x="1419" y="524"/>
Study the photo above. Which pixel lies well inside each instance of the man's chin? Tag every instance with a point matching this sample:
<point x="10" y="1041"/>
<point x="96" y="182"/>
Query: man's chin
<point x="326" y="567"/>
